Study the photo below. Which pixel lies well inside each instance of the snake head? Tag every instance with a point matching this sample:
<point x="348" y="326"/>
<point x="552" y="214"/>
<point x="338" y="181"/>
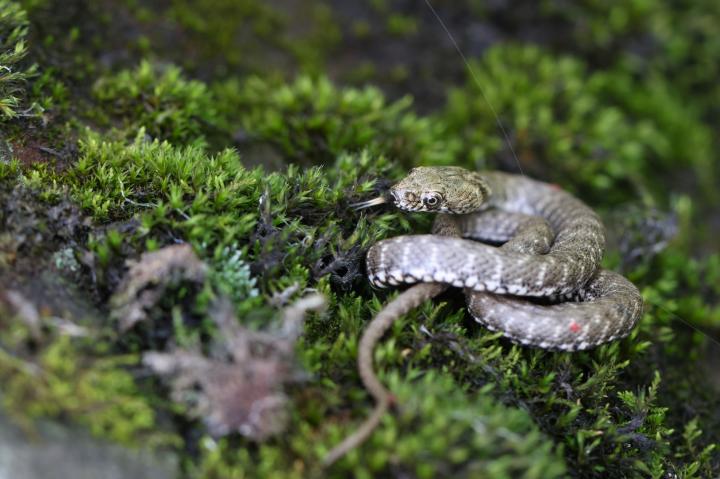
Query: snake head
<point x="441" y="189"/>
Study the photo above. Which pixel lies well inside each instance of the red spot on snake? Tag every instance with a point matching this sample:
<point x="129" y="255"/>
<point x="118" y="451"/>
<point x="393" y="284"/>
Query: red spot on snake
<point x="575" y="327"/>
<point x="556" y="186"/>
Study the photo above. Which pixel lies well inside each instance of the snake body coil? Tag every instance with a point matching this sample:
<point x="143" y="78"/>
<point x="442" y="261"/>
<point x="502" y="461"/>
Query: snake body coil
<point x="553" y="245"/>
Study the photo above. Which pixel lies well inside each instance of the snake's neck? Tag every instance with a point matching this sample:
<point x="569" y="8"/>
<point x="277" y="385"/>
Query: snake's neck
<point x="446" y="224"/>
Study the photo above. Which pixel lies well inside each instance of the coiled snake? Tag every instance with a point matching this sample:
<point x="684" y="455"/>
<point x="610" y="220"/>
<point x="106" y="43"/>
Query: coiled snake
<point x="552" y="245"/>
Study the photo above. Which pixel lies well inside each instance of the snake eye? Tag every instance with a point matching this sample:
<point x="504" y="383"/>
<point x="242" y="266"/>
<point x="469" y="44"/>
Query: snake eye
<point x="431" y="200"/>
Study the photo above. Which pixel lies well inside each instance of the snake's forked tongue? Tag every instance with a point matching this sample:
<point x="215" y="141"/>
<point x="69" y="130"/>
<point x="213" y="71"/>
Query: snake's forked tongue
<point x="367" y="204"/>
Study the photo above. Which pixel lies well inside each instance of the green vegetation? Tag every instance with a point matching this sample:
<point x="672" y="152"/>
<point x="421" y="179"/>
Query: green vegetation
<point x="68" y="378"/>
<point x="159" y="99"/>
<point x="620" y="137"/>
<point x="674" y="38"/>
<point x="479" y="436"/>
<point x="153" y="154"/>
<point x="13" y="48"/>
<point x="216" y="36"/>
<point x="312" y="121"/>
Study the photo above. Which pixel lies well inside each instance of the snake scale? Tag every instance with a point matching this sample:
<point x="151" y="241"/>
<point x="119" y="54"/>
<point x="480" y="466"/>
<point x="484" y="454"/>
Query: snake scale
<point x="551" y="248"/>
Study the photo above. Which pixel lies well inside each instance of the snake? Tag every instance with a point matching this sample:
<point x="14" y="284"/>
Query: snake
<point x="552" y="248"/>
<point x="526" y="253"/>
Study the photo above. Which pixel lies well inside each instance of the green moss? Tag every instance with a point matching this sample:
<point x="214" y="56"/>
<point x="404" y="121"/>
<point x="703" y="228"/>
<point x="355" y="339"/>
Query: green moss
<point x="617" y="139"/>
<point x="601" y="26"/>
<point x="312" y="48"/>
<point x="212" y="201"/>
<point x="158" y="99"/>
<point x="574" y="398"/>
<point x="98" y="391"/>
<point x="217" y="24"/>
<point x="402" y="25"/>
<point x="312" y="121"/>
<point x="189" y="190"/>
<point x="692" y="51"/>
<point x="231" y="274"/>
<point x="224" y="36"/>
<point x="31" y="5"/>
<point x="13" y="48"/>
<point x="681" y="140"/>
<point x="50" y="92"/>
<point x="479" y="437"/>
<point x="676" y="39"/>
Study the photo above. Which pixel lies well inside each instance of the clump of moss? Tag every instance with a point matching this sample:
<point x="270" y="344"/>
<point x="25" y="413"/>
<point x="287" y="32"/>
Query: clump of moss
<point x="681" y="138"/>
<point x="592" y="127"/>
<point x="76" y="376"/>
<point x="676" y="40"/>
<point x="576" y="399"/>
<point x="605" y="27"/>
<point x="159" y="99"/>
<point x="312" y="121"/>
<point x="402" y="25"/>
<point x="218" y="38"/>
<point x="694" y="51"/>
<point x="179" y="186"/>
<point x="216" y="23"/>
<point x="231" y="275"/>
<point x="13" y="48"/>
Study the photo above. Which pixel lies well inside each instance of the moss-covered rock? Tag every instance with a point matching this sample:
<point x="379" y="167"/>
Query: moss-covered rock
<point x="142" y="155"/>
